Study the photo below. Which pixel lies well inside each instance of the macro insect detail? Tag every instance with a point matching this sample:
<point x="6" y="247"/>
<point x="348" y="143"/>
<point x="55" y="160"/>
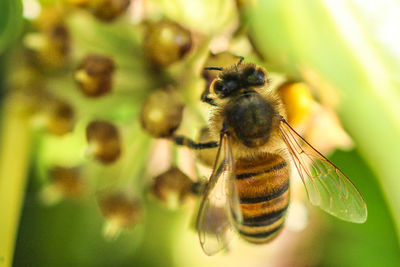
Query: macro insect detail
<point x="250" y="177"/>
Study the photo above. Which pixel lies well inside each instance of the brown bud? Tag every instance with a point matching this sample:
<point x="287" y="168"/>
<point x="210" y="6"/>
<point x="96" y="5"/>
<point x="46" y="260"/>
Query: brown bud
<point x="50" y="48"/>
<point x="79" y="3"/>
<point x="59" y="117"/>
<point x="108" y="10"/>
<point x="161" y="113"/>
<point x="166" y="42"/>
<point x="172" y="187"/>
<point x="104" y="141"/>
<point x="63" y="183"/>
<point x="50" y="16"/>
<point x="120" y="211"/>
<point x="206" y="156"/>
<point x="94" y="75"/>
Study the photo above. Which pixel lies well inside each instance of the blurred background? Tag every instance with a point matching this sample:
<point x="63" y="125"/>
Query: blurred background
<point x="93" y="91"/>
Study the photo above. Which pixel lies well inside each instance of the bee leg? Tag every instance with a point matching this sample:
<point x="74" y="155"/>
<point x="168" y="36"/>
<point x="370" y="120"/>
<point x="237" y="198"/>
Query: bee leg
<point x="198" y="188"/>
<point x="214" y="68"/>
<point x="184" y="141"/>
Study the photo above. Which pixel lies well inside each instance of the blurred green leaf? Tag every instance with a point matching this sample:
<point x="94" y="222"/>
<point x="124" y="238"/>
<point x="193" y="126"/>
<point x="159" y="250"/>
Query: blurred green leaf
<point x="358" y="245"/>
<point x="10" y="22"/>
<point x="330" y="46"/>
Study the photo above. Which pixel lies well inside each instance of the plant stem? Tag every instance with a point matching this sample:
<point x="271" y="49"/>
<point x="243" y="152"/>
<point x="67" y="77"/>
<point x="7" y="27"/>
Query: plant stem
<point x="14" y="162"/>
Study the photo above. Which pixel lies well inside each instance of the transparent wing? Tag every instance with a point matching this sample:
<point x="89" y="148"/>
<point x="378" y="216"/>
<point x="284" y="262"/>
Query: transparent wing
<point x="327" y="186"/>
<point x="220" y="203"/>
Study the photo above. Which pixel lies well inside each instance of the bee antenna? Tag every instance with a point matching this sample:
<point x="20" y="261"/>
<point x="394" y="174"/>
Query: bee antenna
<point x="240" y="61"/>
<point x="214" y="68"/>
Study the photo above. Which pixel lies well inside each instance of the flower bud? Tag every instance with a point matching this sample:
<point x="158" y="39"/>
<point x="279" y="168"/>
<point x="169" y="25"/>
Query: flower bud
<point x="94" y="75"/>
<point x="172" y="187"/>
<point x="104" y="141"/>
<point x="166" y="42"/>
<point x="108" y="10"/>
<point x="120" y="212"/>
<point x="63" y="183"/>
<point x="59" y="117"/>
<point x="51" y="47"/>
<point x="161" y="113"/>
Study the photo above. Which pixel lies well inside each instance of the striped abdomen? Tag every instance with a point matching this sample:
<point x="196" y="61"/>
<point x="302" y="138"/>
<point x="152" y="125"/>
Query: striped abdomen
<point x="263" y="185"/>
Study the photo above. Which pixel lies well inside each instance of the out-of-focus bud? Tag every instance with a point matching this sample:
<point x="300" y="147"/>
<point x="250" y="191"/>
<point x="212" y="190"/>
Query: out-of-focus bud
<point x="104" y="141"/>
<point x="120" y="212"/>
<point x="51" y="48"/>
<point x="166" y="42"/>
<point x="63" y="183"/>
<point x="55" y="115"/>
<point x="50" y="45"/>
<point x="206" y="156"/>
<point x="108" y="10"/>
<point x="50" y="16"/>
<point x="94" y="75"/>
<point x="172" y="187"/>
<point x="79" y="3"/>
<point x="161" y="113"/>
<point x="298" y="101"/>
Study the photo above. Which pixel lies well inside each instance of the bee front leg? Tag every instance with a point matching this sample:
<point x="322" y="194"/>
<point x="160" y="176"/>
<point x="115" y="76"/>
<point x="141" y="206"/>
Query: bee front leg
<point x="184" y="141"/>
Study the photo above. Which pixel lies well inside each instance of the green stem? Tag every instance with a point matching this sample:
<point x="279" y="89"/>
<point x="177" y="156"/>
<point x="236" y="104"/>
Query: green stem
<point x="14" y="162"/>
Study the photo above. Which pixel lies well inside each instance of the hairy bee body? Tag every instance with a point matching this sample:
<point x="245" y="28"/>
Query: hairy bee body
<point x="262" y="172"/>
<point x="252" y="164"/>
<point x="263" y="186"/>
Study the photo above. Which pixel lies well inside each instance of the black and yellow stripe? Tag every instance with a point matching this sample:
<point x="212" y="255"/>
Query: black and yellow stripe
<point x="263" y="185"/>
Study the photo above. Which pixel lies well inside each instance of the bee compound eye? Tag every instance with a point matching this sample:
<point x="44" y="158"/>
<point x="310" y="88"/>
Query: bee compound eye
<point x="219" y="88"/>
<point x="256" y="77"/>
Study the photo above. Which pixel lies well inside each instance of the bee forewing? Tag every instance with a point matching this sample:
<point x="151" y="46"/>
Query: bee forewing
<point x="220" y="205"/>
<point x="233" y="194"/>
<point x="327" y="186"/>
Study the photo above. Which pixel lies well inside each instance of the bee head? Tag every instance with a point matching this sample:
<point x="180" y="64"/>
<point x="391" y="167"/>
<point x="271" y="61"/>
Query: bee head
<point x="236" y="80"/>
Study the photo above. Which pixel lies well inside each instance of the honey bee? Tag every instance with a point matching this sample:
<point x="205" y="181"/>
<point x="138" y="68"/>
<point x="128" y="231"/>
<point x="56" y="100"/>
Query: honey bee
<point x="250" y="178"/>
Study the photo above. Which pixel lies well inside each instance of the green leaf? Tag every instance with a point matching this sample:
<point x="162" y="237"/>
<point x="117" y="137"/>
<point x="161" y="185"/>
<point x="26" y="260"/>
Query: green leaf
<point x="351" y="61"/>
<point x="10" y="22"/>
